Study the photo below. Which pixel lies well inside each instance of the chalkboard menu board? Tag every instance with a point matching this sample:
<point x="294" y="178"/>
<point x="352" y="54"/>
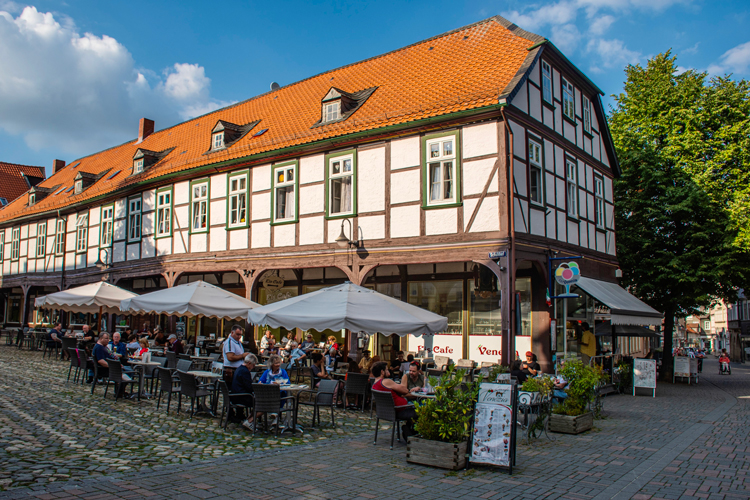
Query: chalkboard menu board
<point x="644" y="374"/>
<point x="493" y="434"/>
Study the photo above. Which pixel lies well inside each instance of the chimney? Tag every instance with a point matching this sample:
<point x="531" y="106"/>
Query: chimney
<point x="145" y="129"/>
<point x="57" y="165"/>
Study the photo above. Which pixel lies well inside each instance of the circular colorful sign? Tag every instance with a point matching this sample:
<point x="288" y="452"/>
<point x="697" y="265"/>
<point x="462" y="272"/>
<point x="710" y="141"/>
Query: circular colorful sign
<point x="567" y="274"/>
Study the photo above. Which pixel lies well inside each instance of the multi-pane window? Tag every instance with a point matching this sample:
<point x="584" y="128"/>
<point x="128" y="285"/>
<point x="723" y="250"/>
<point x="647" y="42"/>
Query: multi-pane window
<point x="599" y="201"/>
<point x="586" y="114"/>
<point x="79" y="187"/>
<point x="41" y="239"/>
<point x="138" y="166"/>
<point x="340" y="185"/>
<point x="82" y="233"/>
<point x="568" y="96"/>
<point x="15" y="243"/>
<point x="163" y="213"/>
<point x="32" y="199"/>
<point x="535" y="172"/>
<point x="134" y="219"/>
<point x="2" y="246"/>
<point x="108" y="218"/>
<point x="238" y="200"/>
<point x="572" y="189"/>
<point x="546" y="82"/>
<point x="200" y="207"/>
<point x="218" y="140"/>
<point x="441" y="170"/>
<point x="284" y="193"/>
<point x="60" y="237"/>
<point x="331" y="111"/>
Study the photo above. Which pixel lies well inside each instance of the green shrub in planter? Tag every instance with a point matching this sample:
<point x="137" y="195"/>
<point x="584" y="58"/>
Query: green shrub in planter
<point x="542" y="385"/>
<point x="582" y="381"/>
<point x="447" y="418"/>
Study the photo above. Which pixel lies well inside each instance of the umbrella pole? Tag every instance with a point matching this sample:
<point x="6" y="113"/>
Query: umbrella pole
<point x="100" y="319"/>
<point x="346" y="344"/>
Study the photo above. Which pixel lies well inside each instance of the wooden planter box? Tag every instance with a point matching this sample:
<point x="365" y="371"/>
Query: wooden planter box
<point x="436" y="453"/>
<point x="571" y="425"/>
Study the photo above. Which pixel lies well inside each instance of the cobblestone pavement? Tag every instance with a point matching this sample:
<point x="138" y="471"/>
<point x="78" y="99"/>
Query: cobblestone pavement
<point x="688" y="442"/>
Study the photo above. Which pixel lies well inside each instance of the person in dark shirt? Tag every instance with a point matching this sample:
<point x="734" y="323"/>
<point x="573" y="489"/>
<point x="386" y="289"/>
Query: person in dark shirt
<point x="101" y="354"/>
<point x="530" y="367"/>
<point x="175" y="345"/>
<point x="515" y="371"/>
<point x="242" y="383"/>
<point x="54" y="336"/>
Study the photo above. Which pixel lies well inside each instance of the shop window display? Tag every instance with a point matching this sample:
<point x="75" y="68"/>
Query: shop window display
<point x="441" y="297"/>
<point x="485" y="313"/>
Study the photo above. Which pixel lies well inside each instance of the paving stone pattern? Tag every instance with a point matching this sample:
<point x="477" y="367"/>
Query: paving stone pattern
<point x="59" y="442"/>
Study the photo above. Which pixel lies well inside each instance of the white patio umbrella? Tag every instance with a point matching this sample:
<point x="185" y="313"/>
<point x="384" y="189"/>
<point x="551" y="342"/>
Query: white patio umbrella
<point x="192" y="299"/>
<point x="92" y="298"/>
<point x="349" y="306"/>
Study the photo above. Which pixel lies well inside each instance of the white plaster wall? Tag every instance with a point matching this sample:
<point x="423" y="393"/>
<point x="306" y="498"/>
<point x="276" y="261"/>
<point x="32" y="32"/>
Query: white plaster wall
<point x="487" y="217"/>
<point x="334" y="229"/>
<point x="238" y="239"/>
<point x="549" y="189"/>
<point x="311" y="230"/>
<point x="218" y="212"/>
<point x="475" y="175"/>
<point x="93" y="255"/>
<point x="559" y="161"/>
<point x="581" y="174"/>
<point x="148" y="247"/>
<point x="181" y="193"/>
<point x="120" y="209"/>
<point x="550" y="223"/>
<point x="198" y="242"/>
<point x="535" y="103"/>
<point x="261" y="177"/>
<point x="405" y="221"/>
<point x="164" y="246"/>
<point x="261" y="206"/>
<point x="592" y="236"/>
<point x="595" y="146"/>
<point x="260" y="235"/>
<point x="608" y="189"/>
<point x="181" y="240"/>
<point x="80" y="262"/>
<point x="521" y="99"/>
<point x="218" y="239"/>
<point x="562" y="226"/>
<point x="27" y="232"/>
<point x="94" y="215"/>
<point x="601" y="242"/>
<point x="583" y="230"/>
<point x="372" y="227"/>
<point x="283" y="236"/>
<point x="590" y="207"/>
<point x="534" y="73"/>
<point x="556" y="84"/>
<point x="312" y="169"/>
<point x="405" y="153"/>
<point x="608" y="216"/>
<point x="611" y="246"/>
<point x="218" y="186"/>
<point x="147" y="223"/>
<point x="569" y="131"/>
<point x="479" y="140"/>
<point x="94" y="236"/>
<point x="560" y="184"/>
<point x="149" y="200"/>
<point x="405" y="186"/>
<point x="519" y="139"/>
<point x="371" y="180"/>
<point x="558" y="119"/>
<point x="181" y="217"/>
<point x="538" y="222"/>
<point x="519" y="177"/>
<point x="520" y="216"/>
<point x="572" y="233"/>
<point x="549" y="117"/>
<point x="312" y="199"/>
<point x="441" y="221"/>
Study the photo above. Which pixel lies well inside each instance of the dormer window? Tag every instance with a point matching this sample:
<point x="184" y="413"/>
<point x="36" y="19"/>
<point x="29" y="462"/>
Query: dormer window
<point x="218" y="140"/>
<point x="83" y="180"/>
<point x="32" y="199"/>
<point x="79" y="186"/>
<point x="144" y="158"/>
<point x="338" y="105"/>
<point x="138" y="166"/>
<point x="37" y="193"/>
<point x="331" y="111"/>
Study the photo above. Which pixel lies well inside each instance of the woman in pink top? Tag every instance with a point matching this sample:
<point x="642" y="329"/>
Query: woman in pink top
<point x="404" y="410"/>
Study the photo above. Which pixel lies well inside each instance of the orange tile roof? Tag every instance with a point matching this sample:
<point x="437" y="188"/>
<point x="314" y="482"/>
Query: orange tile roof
<point x="465" y="69"/>
<point x="12" y="184"/>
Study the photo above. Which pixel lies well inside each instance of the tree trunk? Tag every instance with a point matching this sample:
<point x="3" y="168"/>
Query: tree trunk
<point x="667" y="360"/>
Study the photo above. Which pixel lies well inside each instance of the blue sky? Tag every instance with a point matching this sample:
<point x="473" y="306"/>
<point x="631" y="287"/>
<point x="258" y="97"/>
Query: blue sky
<point x="76" y="76"/>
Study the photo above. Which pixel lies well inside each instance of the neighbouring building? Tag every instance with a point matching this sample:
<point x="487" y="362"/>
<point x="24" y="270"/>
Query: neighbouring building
<point x="16" y="180"/>
<point x="737" y="337"/>
<point x="444" y="174"/>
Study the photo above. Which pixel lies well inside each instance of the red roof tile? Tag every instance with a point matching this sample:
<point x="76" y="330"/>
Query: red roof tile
<point x="12" y="183"/>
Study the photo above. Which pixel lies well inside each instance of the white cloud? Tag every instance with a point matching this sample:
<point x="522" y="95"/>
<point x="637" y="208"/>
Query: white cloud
<point x="601" y="24"/>
<point x="612" y="53"/>
<point x="565" y="37"/>
<point x="734" y="60"/>
<point x="692" y="50"/>
<point x="554" y="14"/>
<point x="81" y="92"/>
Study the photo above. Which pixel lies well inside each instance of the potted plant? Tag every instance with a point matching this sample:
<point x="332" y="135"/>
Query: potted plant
<point x="534" y="389"/>
<point x="443" y="424"/>
<point x="573" y="416"/>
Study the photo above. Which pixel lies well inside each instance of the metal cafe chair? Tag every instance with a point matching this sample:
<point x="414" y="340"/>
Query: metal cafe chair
<point x="385" y="410"/>
<point x="324" y="396"/>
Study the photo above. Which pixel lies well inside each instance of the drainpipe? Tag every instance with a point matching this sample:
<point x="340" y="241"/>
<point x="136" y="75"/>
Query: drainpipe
<point x="509" y="350"/>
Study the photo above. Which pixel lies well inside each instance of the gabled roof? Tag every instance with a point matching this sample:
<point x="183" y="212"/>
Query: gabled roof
<point x="16" y="180"/>
<point x="459" y="71"/>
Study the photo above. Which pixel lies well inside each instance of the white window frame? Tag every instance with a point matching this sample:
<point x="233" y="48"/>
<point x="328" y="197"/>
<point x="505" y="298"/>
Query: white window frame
<point x="340" y="177"/>
<point x="138" y="166"/>
<point x="79" y="186"/>
<point x="217" y="141"/>
<point x="163" y="213"/>
<point x="536" y="171"/>
<point x="547" y="82"/>
<point x="571" y="170"/>
<point x="568" y="99"/>
<point x="440" y="160"/>
<point x="237" y="200"/>
<point x="41" y="239"/>
<point x="107" y="225"/>
<point x="135" y="212"/>
<point x="60" y="237"/>
<point x="599" y="201"/>
<point x="282" y="172"/>
<point x="32" y="199"/>
<point x="2" y="245"/>
<point x="199" y="207"/>
<point x="15" y="243"/>
<point x="331" y="111"/>
<point x="586" y="112"/>
<point x="82" y="233"/>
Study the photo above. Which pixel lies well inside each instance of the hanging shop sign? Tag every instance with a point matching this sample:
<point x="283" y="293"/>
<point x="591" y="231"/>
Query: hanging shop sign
<point x="567" y="274"/>
<point x="273" y="282"/>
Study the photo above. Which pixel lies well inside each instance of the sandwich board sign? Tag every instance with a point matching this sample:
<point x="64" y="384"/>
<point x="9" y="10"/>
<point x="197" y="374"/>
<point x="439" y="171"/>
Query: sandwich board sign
<point x="644" y="374"/>
<point x="493" y="433"/>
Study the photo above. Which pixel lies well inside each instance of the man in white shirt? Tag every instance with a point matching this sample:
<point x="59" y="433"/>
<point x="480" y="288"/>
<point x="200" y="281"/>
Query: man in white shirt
<point x="265" y="340"/>
<point x="233" y="352"/>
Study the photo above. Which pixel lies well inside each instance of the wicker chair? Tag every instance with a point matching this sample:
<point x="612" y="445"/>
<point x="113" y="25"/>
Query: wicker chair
<point x="385" y="410"/>
<point x="171" y="359"/>
<point x="116" y="377"/>
<point x="324" y="396"/>
<point x="167" y="384"/>
<point x="357" y="384"/>
<point x="189" y="387"/>
<point x="268" y="400"/>
<point x="229" y="405"/>
<point x="74" y="363"/>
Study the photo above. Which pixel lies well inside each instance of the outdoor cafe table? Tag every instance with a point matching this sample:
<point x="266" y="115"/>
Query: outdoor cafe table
<point x="142" y="366"/>
<point x="201" y="360"/>
<point x="293" y="388"/>
<point x="210" y="377"/>
<point x="419" y="395"/>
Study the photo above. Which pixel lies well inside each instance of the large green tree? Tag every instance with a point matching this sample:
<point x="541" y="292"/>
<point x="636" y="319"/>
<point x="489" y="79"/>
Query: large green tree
<point x="677" y="236"/>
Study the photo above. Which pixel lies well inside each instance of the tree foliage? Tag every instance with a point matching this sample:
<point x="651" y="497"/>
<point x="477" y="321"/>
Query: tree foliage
<point x="681" y="243"/>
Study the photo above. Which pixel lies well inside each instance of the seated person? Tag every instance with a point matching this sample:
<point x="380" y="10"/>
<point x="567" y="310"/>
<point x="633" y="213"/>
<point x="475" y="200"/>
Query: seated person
<point x="332" y="344"/>
<point x="559" y="386"/>
<point x="373" y="361"/>
<point x="517" y="372"/>
<point x="274" y="374"/>
<point x="404" y="410"/>
<point x="119" y="351"/>
<point x="724" y="361"/>
<point x="308" y="344"/>
<point x="160" y="339"/>
<point x="265" y="340"/>
<point x="175" y="345"/>
<point x="54" y="336"/>
<point x="530" y="367"/>
<point x="242" y="383"/>
<point x="271" y="347"/>
<point x="101" y="354"/>
<point x="365" y="361"/>
<point x="284" y="344"/>
<point x="133" y="342"/>
<point x="318" y="368"/>
<point x="142" y="353"/>
<point x="297" y="356"/>
<point x="396" y="363"/>
<point x="414" y="379"/>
